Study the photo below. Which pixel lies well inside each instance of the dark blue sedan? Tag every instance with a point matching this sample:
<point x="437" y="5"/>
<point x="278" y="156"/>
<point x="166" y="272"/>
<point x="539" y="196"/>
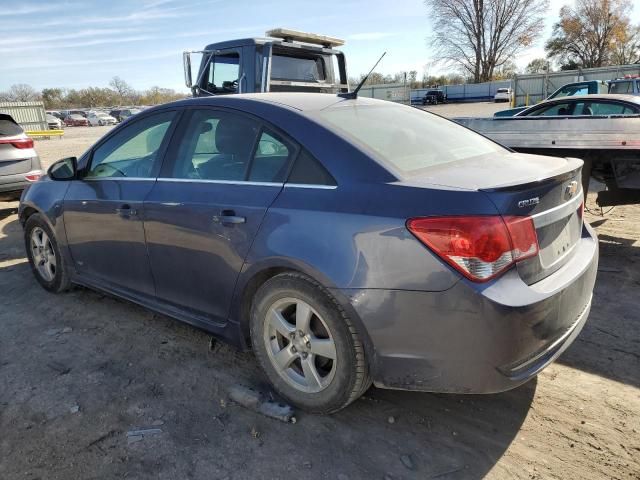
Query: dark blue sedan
<point x="346" y="241"/>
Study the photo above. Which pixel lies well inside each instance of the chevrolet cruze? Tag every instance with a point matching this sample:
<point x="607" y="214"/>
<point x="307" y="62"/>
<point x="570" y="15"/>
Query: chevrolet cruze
<point x="346" y="241"/>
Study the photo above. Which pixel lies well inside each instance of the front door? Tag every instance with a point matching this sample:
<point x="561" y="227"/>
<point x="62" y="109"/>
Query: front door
<point x="221" y="174"/>
<point x="103" y="211"/>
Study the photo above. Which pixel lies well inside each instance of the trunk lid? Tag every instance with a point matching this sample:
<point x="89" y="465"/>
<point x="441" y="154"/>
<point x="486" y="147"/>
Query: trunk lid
<point x="548" y="189"/>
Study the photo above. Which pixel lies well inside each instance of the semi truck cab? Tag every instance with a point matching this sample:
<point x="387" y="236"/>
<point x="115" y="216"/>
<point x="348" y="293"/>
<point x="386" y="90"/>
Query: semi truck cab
<point x="286" y="60"/>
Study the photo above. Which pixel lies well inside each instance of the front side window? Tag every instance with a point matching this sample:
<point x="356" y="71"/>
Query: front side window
<point x="407" y="139"/>
<point x="608" y="108"/>
<point x="133" y="151"/>
<point x="223" y="73"/>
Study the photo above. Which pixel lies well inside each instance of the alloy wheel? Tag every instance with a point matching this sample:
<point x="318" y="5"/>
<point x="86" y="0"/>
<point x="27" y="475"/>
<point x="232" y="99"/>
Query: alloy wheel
<point x="300" y="345"/>
<point x="43" y="254"/>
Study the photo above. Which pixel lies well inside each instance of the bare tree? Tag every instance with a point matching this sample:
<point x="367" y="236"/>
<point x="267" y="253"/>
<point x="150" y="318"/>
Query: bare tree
<point x="122" y="88"/>
<point x="585" y="34"/>
<point x="20" y="93"/>
<point x="480" y="36"/>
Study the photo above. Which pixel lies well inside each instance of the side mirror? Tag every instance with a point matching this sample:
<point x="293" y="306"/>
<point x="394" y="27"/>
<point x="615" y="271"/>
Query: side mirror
<point x="65" y="169"/>
<point x="186" y="63"/>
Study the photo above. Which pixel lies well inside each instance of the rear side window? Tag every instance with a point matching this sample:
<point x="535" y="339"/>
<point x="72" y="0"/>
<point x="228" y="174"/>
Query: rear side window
<point x="223" y="146"/>
<point x="557" y="109"/>
<point x="308" y="171"/>
<point x="301" y="69"/>
<point x="9" y="128"/>
<point x="621" y="87"/>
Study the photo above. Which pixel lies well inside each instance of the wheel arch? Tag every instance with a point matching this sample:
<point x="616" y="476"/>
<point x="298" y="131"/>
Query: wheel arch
<point x="255" y="276"/>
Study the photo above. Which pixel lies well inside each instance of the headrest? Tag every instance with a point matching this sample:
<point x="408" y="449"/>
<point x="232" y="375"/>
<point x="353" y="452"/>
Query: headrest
<point x="235" y="135"/>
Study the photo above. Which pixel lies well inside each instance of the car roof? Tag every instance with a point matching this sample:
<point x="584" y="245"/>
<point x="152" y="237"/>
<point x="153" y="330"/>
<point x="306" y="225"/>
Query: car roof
<point x="603" y="96"/>
<point x="300" y="101"/>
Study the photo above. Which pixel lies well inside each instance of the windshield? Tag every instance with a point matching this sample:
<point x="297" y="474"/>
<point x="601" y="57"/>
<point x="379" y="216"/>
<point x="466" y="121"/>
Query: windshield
<point x="404" y="138"/>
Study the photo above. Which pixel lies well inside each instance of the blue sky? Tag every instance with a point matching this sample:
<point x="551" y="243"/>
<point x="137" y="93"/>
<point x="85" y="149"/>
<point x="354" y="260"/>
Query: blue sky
<point x="75" y="44"/>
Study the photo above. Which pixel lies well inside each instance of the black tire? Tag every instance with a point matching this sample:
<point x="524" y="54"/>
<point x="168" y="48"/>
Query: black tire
<point x="61" y="280"/>
<point x="350" y="378"/>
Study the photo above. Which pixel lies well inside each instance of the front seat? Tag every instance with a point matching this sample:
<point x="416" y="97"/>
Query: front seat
<point x="587" y="110"/>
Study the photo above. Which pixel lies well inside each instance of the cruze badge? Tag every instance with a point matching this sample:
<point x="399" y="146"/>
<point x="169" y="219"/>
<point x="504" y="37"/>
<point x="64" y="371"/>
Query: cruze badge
<point x="571" y="189"/>
<point x="529" y="202"/>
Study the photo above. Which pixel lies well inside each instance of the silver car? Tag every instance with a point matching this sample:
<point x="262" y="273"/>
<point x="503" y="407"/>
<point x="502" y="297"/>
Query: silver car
<point x="19" y="162"/>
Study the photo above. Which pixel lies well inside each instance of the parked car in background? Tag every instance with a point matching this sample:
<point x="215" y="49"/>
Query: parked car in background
<point x="122" y="114"/>
<point x="56" y="114"/>
<point x="54" y="122"/>
<point x="100" y="119"/>
<point x="502" y="95"/>
<point x="19" y="162"/>
<point x="591" y="105"/>
<point x="451" y="264"/>
<point x="434" y="97"/>
<point x="625" y="86"/>
<point x="589" y="87"/>
<point x="75" y="120"/>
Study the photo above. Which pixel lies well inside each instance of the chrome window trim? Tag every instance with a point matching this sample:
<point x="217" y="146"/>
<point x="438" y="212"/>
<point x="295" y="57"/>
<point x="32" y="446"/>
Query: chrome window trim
<point x="557" y="213"/>
<point x="310" y="185"/>
<point x="221" y="182"/>
<point x="128" y="179"/>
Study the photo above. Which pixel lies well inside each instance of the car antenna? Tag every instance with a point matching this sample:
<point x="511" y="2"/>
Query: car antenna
<point x="353" y="95"/>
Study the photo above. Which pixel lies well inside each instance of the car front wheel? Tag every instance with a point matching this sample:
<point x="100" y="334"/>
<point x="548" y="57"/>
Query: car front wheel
<point x="44" y="255"/>
<point x="307" y="346"/>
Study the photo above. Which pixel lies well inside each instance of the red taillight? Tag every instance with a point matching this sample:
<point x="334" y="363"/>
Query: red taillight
<point x="25" y="142"/>
<point x="479" y="247"/>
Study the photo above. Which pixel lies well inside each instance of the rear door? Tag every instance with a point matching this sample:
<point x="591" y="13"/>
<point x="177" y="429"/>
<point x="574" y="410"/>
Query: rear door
<point x="103" y="210"/>
<point x="222" y="172"/>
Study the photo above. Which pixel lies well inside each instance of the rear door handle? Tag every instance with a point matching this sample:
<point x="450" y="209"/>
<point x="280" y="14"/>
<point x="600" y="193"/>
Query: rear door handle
<point x="229" y="217"/>
<point x="126" y="211"/>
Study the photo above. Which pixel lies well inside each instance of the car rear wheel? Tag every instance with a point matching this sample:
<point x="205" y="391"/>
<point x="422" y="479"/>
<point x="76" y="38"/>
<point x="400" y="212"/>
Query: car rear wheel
<point x="44" y="255"/>
<point x="306" y="345"/>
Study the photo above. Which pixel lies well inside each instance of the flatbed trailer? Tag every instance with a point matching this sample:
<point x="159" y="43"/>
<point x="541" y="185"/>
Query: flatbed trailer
<point x="609" y="146"/>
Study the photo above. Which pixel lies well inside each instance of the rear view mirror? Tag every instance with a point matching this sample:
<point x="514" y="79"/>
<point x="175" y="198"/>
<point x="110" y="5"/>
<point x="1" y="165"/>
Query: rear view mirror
<point x="186" y="61"/>
<point x="65" y="169"/>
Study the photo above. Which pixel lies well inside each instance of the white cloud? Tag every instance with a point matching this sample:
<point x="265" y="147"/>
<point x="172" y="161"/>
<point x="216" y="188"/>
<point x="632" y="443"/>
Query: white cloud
<point x="36" y="63"/>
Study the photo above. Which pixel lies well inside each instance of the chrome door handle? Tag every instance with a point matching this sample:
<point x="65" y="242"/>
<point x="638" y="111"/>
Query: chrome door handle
<point x="126" y="211"/>
<point x="229" y="217"/>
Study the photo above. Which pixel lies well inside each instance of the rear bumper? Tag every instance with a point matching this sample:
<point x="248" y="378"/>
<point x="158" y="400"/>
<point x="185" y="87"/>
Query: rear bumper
<point x="11" y="186"/>
<point x="477" y="338"/>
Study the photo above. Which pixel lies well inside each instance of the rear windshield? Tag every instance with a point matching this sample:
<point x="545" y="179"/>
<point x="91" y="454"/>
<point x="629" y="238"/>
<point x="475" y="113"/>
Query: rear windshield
<point x="503" y="90"/>
<point x="406" y="139"/>
<point x="308" y="69"/>
<point x="9" y="128"/>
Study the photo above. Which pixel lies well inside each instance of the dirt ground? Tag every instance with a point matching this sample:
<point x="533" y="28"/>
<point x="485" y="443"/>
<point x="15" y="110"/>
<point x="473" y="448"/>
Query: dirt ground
<point x="80" y="370"/>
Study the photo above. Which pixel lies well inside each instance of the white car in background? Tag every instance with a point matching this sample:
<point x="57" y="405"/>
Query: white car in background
<point x="100" y="118"/>
<point x="502" y="95"/>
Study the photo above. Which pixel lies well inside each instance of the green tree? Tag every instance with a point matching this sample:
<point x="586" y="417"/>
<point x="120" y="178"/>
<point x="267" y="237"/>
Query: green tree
<point x="537" y="65"/>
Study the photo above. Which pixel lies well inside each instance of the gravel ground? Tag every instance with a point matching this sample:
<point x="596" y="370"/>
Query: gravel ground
<point x="80" y="370"/>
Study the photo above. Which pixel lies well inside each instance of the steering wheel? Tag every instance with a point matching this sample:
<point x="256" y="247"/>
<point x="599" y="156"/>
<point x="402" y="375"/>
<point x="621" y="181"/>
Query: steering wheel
<point x="107" y="165"/>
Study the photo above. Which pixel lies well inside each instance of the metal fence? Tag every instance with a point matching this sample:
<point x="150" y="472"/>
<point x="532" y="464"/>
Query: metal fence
<point x="30" y="115"/>
<point x="467" y="92"/>
<point x="531" y="89"/>
<point x="395" y="92"/>
<point x="470" y="92"/>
